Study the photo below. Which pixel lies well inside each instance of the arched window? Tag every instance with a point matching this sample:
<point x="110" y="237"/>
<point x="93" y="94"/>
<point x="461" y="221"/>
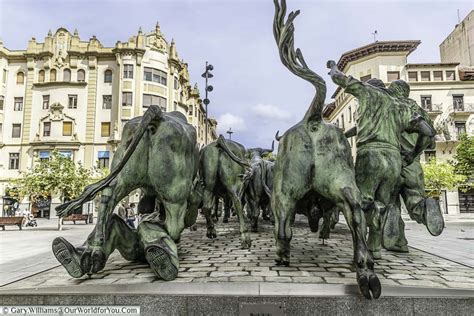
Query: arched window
<point x="41" y="76"/>
<point x="52" y="75"/>
<point x="81" y="75"/>
<point x="67" y="75"/>
<point x="108" y="75"/>
<point x="20" y="77"/>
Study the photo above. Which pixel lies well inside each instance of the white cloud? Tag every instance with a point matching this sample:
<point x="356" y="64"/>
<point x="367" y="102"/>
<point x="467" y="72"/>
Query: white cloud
<point x="272" y="112"/>
<point x="228" y="120"/>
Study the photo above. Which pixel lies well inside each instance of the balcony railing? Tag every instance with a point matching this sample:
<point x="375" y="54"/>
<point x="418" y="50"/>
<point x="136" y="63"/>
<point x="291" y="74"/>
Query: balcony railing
<point x="463" y="107"/>
<point x="434" y="107"/>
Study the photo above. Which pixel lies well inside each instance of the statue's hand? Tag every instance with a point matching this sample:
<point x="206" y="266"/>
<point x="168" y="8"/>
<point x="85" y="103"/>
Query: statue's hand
<point x="331" y="64"/>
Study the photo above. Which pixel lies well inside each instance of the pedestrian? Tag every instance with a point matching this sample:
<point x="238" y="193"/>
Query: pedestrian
<point x="131" y="215"/>
<point x="121" y="211"/>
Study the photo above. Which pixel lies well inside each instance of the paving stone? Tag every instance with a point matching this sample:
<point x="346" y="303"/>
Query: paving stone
<point x="419" y="283"/>
<point x="278" y="279"/>
<point x="246" y="279"/>
<point x="228" y="273"/>
<point x="400" y="276"/>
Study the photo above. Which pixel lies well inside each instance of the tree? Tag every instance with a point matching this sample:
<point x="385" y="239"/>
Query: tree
<point x="439" y="176"/>
<point x="464" y="157"/>
<point x="58" y="175"/>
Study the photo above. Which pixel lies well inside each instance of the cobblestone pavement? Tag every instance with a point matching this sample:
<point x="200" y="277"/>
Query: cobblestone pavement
<point x="312" y="261"/>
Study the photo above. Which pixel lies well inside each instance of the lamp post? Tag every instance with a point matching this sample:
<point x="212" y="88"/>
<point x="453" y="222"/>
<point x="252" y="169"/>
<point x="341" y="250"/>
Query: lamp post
<point x="230" y="132"/>
<point x="207" y="75"/>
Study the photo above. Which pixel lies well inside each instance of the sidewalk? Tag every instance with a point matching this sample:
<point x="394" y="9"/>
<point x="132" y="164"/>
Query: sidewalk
<point x="222" y="260"/>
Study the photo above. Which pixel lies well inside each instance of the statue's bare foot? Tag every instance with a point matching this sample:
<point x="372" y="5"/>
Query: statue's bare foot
<point x="369" y="284"/>
<point x="163" y="262"/>
<point x="68" y="256"/>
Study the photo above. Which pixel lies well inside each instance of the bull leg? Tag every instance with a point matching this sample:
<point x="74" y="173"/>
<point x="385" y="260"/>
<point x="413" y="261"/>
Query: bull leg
<point x="226" y="210"/>
<point x="283" y="211"/>
<point x="368" y="281"/>
<point x="244" y="235"/>
<point x="254" y="213"/>
<point x="174" y="221"/>
<point x="208" y="201"/>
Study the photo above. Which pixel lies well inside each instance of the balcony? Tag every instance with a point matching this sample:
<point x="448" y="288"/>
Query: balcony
<point x="434" y="110"/>
<point x="462" y="111"/>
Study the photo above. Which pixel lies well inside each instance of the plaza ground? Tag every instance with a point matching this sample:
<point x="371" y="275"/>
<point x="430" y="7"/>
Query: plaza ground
<point x="433" y="262"/>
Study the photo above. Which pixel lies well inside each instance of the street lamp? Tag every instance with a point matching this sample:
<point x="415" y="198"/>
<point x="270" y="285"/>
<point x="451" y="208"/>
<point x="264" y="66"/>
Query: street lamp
<point x="230" y="132"/>
<point x="207" y="74"/>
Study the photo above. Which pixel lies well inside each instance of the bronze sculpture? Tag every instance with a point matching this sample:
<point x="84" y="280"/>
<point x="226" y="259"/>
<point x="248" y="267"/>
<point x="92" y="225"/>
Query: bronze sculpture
<point x="314" y="163"/>
<point x="159" y="153"/>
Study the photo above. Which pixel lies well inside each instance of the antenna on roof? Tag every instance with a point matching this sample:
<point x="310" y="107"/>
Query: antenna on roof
<point x="375" y="35"/>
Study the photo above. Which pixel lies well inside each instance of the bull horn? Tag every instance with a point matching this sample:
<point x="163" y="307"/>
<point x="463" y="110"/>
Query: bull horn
<point x="277" y="137"/>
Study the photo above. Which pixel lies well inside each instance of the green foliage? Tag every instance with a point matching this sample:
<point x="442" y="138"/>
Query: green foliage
<point x="441" y="176"/>
<point x="464" y="158"/>
<point x="56" y="175"/>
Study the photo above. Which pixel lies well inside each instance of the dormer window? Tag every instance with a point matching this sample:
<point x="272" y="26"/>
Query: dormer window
<point x="81" y="75"/>
<point x="20" y="77"/>
<point x="67" y="75"/>
<point x="52" y="75"/>
<point x="108" y="76"/>
<point x="41" y="76"/>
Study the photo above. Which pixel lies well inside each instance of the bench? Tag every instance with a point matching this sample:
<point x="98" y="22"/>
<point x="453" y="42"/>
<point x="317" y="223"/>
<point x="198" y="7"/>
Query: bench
<point x="76" y="217"/>
<point x="12" y="221"/>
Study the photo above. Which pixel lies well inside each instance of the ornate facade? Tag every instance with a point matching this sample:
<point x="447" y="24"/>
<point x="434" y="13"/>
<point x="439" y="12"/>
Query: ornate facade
<point x="75" y="96"/>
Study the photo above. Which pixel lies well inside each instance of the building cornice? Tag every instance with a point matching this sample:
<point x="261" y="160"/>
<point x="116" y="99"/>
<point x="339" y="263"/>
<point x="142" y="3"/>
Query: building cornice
<point x="59" y="84"/>
<point x="430" y="65"/>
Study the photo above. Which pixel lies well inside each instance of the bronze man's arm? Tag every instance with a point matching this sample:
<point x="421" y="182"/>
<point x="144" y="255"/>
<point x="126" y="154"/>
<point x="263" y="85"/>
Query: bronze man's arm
<point x="337" y="76"/>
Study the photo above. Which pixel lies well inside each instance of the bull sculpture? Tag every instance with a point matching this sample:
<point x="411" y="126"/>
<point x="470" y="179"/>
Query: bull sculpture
<point x="224" y="174"/>
<point x="158" y="154"/>
<point x="258" y="190"/>
<point x="314" y="165"/>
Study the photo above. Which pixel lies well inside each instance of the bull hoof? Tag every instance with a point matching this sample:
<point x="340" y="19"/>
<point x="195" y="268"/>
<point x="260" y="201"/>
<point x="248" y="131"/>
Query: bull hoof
<point x="376" y="254"/>
<point x="281" y="262"/>
<point x="246" y="241"/>
<point x="162" y="262"/>
<point x="225" y="220"/>
<point x="68" y="257"/>
<point x="254" y="229"/>
<point x="369" y="284"/>
<point x="193" y="228"/>
<point x="215" y="219"/>
<point x="211" y="233"/>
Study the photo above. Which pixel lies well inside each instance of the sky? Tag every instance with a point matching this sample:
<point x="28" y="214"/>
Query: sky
<point x="254" y="93"/>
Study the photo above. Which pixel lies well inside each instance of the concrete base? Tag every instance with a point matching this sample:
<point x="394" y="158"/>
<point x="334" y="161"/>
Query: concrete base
<point x="252" y="298"/>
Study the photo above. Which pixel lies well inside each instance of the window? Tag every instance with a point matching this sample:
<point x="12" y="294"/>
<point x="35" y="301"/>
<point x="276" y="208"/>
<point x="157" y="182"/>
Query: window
<point x="155" y="75"/>
<point x="108" y="76"/>
<point x="337" y="122"/>
<point x="104" y="158"/>
<point x="149" y="99"/>
<point x="365" y="78"/>
<point x="412" y="76"/>
<point x="14" y="161"/>
<point x="20" y="78"/>
<point x="52" y="75"/>
<point x="67" y="75"/>
<point x="4" y="76"/>
<point x="450" y="75"/>
<point x="16" y="130"/>
<point x="66" y="153"/>
<point x="44" y="155"/>
<point x="18" y="105"/>
<point x="393" y="75"/>
<point x="126" y="99"/>
<point x="128" y="71"/>
<point x="460" y="128"/>
<point x="425" y="76"/>
<point x="47" y="129"/>
<point x="458" y="102"/>
<point x="81" y="75"/>
<point x="107" y="102"/>
<point x="350" y="114"/>
<point x="72" y="103"/>
<point x="41" y="76"/>
<point x="67" y="128"/>
<point x="1" y="102"/>
<point x="430" y="155"/>
<point x="45" y="102"/>
<point x="105" y="129"/>
<point x="437" y="75"/>
<point x="176" y="83"/>
<point x="426" y="102"/>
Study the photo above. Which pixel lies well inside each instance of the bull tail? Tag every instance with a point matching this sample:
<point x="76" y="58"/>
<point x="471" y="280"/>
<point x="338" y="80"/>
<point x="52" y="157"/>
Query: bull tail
<point x="222" y="144"/>
<point x="90" y="191"/>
